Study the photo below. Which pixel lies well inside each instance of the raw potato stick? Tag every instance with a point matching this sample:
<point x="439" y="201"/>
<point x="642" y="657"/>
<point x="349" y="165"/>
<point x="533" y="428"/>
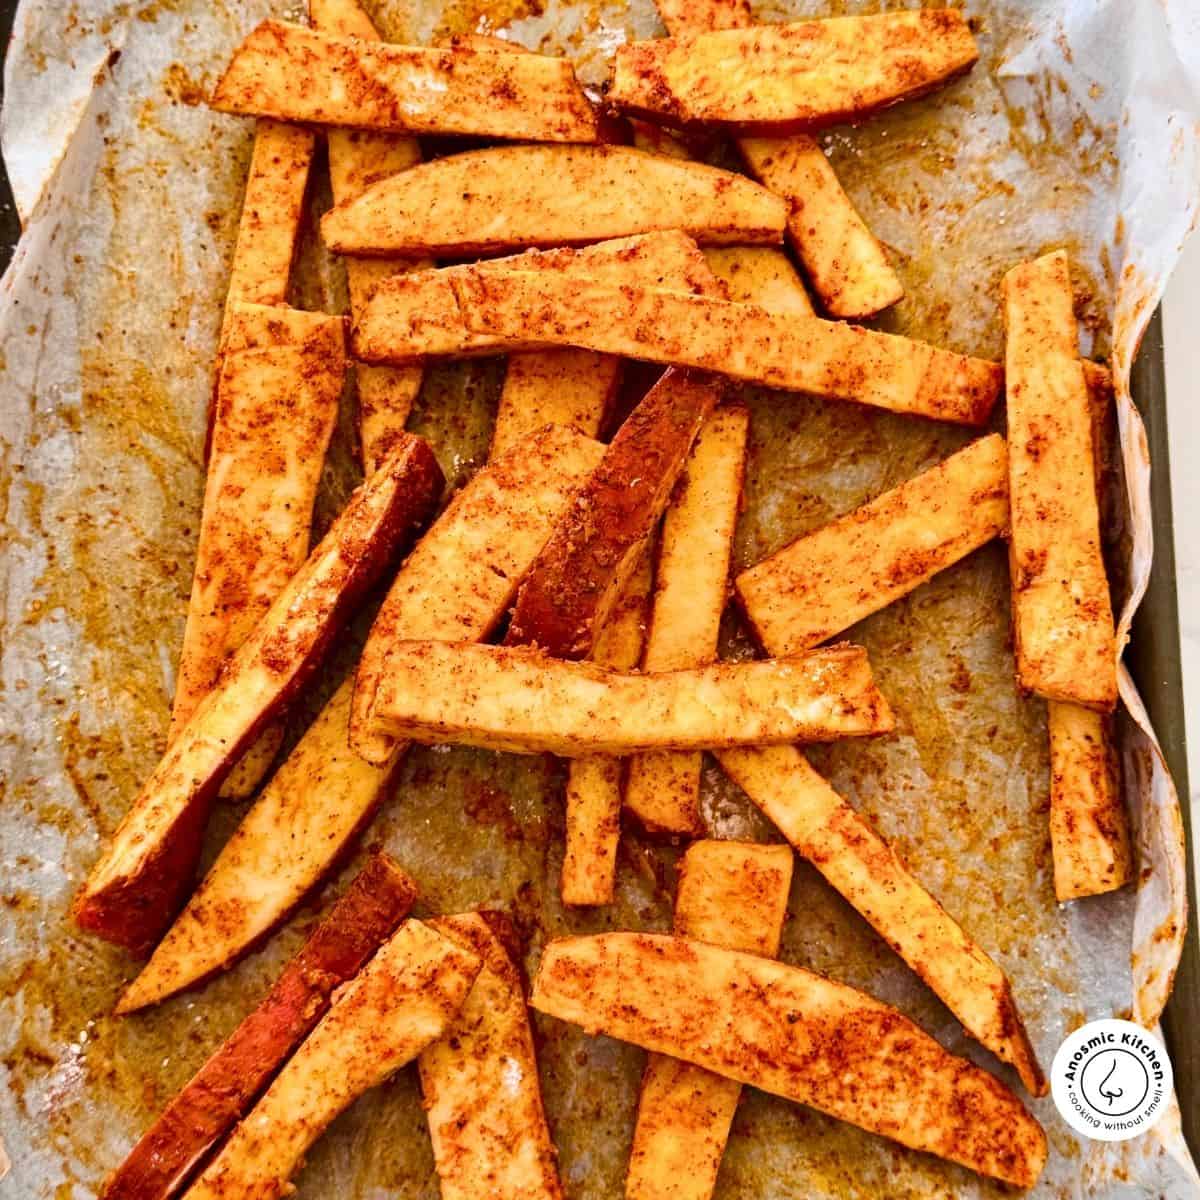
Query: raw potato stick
<point x="691" y="586"/>
<point x="759" y="275"/>
<point x="480" y="1087"/>
<point x="357" y="159"/>
<point x="324" y="793"/>
<point x="277" y="400"/>
<point x="743" y="341"/>
<point x="570" y="590"/>
<point x="860" y="865"/>
<point x="734" y="895"/>
<point x="403" y="89"/>
<point x="147" y="869"/>
<point x="1062" y="612"/>
<point x="224" y="1088"/>
<point x="794" y="1034"/>
<point x="515" y="196"/>
<point x="593" y="798"/>
<point x="825" y="581"/>
<point x="402" y="1000"/>
<point x="781" y="78"/>
<point x="417" y="316"/>
<point x="524" y="702"/>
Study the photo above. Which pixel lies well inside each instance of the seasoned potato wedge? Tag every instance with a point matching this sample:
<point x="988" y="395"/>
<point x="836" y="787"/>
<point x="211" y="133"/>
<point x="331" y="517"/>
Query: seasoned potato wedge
<point x="148" y="867"/>
<point x="219" y="1094"/>
<point x="696" y="16"/>
<point x="732" y="894"/>
<point x="759" y="275"/>
<point x="795" y="1034"/>
<point x="324" y="793"/>
<point x="690" y="589"/>
<point x="824" y="582"/>
<point x="514" y="196"/>
<point x="417" y="316"/>
<point x="1062" y="612"/>
<point x="571" y="588"/>
<point x="480" y="1086"/>
<point x="520" y="700"/>
<point x="844" y="847"/>
<point x="743" y="341"/>
<point x="401" y="1001"/>
<point x="780" y="78"/>
<point x="403" y="89"/>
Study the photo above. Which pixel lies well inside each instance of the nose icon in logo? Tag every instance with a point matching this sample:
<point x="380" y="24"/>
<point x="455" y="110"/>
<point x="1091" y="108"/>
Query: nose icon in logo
<point x="1115" y="1081"/>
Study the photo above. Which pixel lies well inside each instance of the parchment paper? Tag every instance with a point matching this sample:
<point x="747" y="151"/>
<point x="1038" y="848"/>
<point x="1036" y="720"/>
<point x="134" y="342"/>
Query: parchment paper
<point x="1077" y="128"/>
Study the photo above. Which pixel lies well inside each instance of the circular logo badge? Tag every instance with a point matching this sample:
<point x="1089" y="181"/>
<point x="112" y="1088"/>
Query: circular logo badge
<point x="1111" y="1080"/>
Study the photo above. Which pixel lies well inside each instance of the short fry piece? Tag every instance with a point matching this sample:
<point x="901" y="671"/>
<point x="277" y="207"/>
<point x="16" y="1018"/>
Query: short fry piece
<point x="401" y="1001"/>
<point x="515" y="196"/>
<point x="417" y="316"/>
<point x="520" y="700"/>
<point x="780" y="78"/>
<point x="224" y="1088"/>
<point x="324" y="793"/>
<point x="141" y="879"/>
<point x="743" y="341"/>
<point x="403" y="89"/>
<point x="570" y="590"/>
<point x="691" y="586"/>
<point x="731" y="894"/>
<point x="844" y="847"/>
<point x="760" y="275"/>
<point x="794" y="1034"/>
<point x="1062" y="612"/>
<point x="479" y="1081"/>
<point x="824" y="582"/>
<point x="593" y="799"/>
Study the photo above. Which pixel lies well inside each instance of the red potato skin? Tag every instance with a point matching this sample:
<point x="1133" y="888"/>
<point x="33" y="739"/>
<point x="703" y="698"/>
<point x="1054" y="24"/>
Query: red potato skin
<point x="222" y="1091"/>
<point x="135" y="909"/>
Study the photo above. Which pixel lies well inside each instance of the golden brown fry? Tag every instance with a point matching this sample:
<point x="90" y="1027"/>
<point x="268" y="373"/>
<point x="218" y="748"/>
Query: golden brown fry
<point x="522" y="701"/>
<point x="844" y="847"/>
<point x="1062" y="612"/>
<point x="515" y="196"/>
<point x="780" y="78"/>
<point x="759" y="275"/>
<point x="294" y="73"/>
<point x="824" y="582"/>
<point x="479" y="1082"/>
<point x="731" y="894"/>
<point x="682" y="17"/>
<point x="402" y="1000"/>
<point x="743" y="341"/>
<point x="794" y="1034"/>
<point x="691" y="586"/>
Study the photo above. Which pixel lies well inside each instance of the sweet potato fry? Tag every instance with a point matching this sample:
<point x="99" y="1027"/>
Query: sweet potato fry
<point x="1089" y="827"/>
<point x="731" y="894"/>
<point x="294" y="73"/>
<point x="691" y="586"/>
<point x="781" y="78"/>
<point x="401" y="1001"/>
<point x="520" y="700"/>
<point x="479" y="1081"/>
<point x="844" y="847"/>
<point x="593" y="799"/>
<point x="277" y="401"/>
<point x="824" y="582"/>
<point x="570" y="590"/>
<point x="1062" y="613"/>
<point x="141" y="879"/>
<point x="325" y="793"/>
<point x="358" y="159"/>
<point x="515" y="196"/>
<point x="224" y="1088"/>
<point x="743" y="341"/>
<point x="417" y="316"/>
<point x="759" y="275"/>
<point x="794" y="1034"/>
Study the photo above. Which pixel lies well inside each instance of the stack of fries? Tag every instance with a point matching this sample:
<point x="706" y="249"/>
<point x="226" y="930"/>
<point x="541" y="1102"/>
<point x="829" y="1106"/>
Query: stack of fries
<point x="568" y="599"/>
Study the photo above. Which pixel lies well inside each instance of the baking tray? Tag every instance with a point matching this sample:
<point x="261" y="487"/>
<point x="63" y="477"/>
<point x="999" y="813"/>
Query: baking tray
<point x="1153" y="656"/>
